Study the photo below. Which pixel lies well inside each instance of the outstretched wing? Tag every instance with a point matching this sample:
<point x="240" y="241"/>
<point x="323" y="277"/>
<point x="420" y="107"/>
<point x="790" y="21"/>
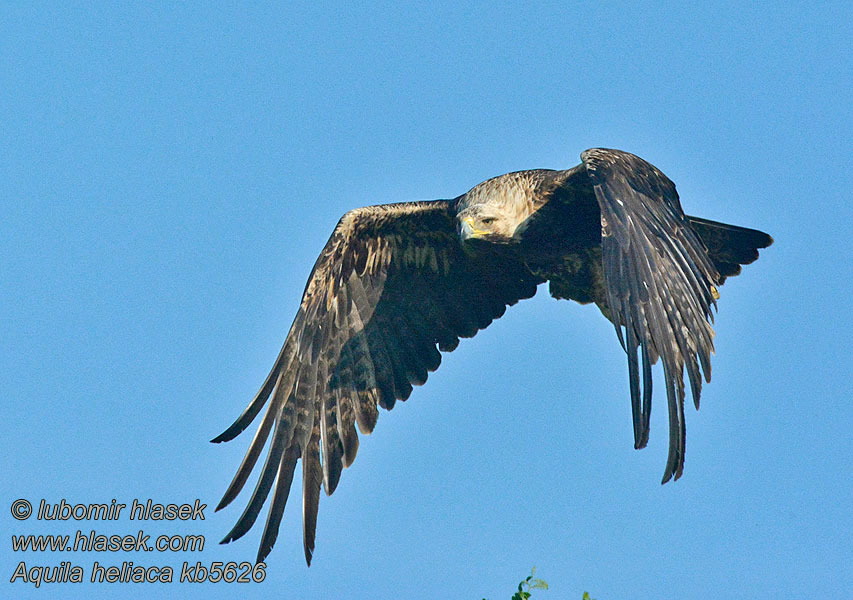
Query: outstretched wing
<point x="390" y="289"/>
<point x="659" y="283"/>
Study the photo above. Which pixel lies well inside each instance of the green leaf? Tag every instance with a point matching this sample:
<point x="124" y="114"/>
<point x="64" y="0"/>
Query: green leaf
<point x="527" y="584"/>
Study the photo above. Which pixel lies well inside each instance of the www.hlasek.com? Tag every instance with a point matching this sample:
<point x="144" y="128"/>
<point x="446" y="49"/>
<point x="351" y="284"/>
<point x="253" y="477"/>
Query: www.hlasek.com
<point x="90" y="540"/>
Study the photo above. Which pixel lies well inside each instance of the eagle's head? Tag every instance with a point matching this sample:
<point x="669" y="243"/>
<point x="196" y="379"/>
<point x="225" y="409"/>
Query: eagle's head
<point x="493" y="210"/>
<point x="485" y="222"/>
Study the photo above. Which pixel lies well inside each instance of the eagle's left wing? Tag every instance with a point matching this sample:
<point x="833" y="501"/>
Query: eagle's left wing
<point x="660" y="286"/>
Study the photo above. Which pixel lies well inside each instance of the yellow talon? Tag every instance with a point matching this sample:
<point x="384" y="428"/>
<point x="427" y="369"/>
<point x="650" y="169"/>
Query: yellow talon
<point x="715" y="293"/>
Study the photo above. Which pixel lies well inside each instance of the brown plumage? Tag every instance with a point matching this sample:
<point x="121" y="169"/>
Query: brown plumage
<point x="398" y="283"/>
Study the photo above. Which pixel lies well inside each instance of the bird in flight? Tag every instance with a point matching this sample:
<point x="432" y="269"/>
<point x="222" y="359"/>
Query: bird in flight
<point x="397" y="284"/>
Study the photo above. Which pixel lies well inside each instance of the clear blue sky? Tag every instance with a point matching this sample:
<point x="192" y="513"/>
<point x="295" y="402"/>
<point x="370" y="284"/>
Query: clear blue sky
<point x="169" y="174"/>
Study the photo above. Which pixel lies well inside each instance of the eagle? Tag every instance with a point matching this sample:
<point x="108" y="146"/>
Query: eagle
<point x="398" y="284"/>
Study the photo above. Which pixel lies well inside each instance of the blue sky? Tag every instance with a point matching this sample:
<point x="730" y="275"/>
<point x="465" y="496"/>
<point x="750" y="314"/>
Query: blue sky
<point x="169" y="175"/>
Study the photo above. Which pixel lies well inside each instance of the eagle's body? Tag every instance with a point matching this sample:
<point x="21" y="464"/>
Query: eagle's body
<point x="397" y="283"/>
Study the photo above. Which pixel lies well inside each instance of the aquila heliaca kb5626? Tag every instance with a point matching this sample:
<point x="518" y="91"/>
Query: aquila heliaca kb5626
<point x="398" y="283"/>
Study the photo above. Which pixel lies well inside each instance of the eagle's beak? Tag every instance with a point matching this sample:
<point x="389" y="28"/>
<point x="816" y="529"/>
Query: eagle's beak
<point x="467" y="229"/>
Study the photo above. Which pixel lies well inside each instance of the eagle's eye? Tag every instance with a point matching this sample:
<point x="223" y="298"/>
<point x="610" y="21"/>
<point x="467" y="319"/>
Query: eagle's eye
<point x="488" y="220"/>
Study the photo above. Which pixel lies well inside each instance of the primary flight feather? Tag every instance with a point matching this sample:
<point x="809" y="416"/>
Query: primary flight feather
<point x="398" y="283"/>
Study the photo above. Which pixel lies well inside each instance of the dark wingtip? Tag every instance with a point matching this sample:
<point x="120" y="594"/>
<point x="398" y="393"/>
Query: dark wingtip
<point x="672" y="475"/>
<point x="257" y="403"/>
<point x="230" y="537"/>
<point x="283" y="480"/>
<point x="331" y="484"/>
<point x="262" y="554"/>
<point x="673" y="472"/>
<point x="223" y="437"/>
<point x="239" y="530"/>
<point x="248" y="415"/>
<point x="243" y="421"/>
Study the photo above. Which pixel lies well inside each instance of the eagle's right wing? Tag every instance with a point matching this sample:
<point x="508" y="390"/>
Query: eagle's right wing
<point x="391" y="284"/>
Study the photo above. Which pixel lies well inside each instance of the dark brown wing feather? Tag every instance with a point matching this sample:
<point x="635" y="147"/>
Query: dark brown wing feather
<point x="391" y="284"/>
<point x="658" y="280"/>
<point x="612" y="231"/>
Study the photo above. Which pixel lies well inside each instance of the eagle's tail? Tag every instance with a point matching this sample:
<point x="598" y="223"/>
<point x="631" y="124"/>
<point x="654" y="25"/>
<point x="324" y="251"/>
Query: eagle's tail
<point x="729" y="246"/>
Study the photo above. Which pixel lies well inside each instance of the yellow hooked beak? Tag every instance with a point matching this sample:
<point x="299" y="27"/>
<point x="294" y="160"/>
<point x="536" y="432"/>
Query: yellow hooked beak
<point x="469" y="230"/>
